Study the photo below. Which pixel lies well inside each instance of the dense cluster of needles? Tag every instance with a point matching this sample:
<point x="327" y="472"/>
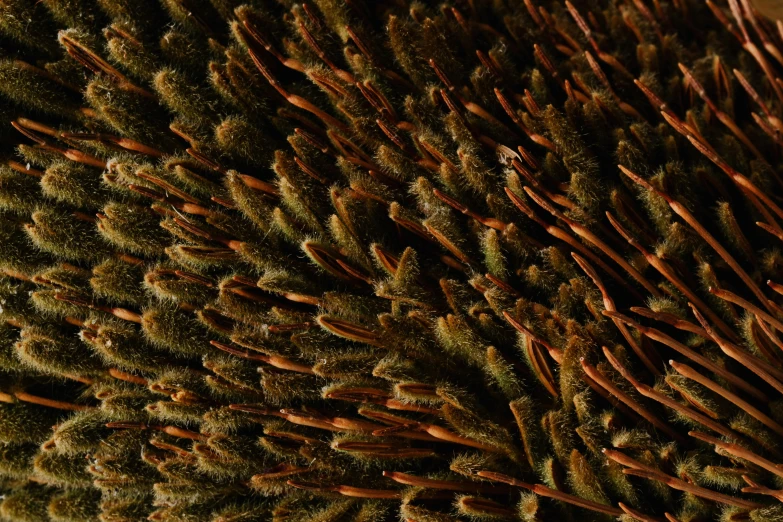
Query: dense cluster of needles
<point x="376" y="261"/>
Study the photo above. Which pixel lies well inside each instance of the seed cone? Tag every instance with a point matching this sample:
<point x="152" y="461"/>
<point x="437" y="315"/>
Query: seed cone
<point x="377" y="261"/>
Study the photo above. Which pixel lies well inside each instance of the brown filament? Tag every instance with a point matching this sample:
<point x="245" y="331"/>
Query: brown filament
<point x="640" y="470"/>
<point x="609" y="305"/>
<point x="348" y="491"/>
<point x="666" y="270"/>
<point x="685" y="214"/>
<point x="760" y="368"/>
<point x="544" y="491"/>
<point x="738" y="451"/>
<point x="49" y="403"/>
<point x="561" y="234"/>
<point x="616" y="392"/>
<point x="690" y="373"/>
<point x="657" y="335"/>
<point x="449" y="485"/>
<point x="650" y="393"/>
<point x="588" y="235"/>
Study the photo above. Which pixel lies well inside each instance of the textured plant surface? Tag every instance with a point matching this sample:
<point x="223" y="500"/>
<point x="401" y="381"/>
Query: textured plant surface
<point x="376" y="261"/>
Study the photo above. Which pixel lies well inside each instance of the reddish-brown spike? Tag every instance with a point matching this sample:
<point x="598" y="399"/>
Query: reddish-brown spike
<point x="770" y="229"/>
<point x="337" y="423"/>
<point x="331" y="86"/>
<point x="765" y="371"/>
<point x="124" y="143"/>
<point x="534" y="14"/>
<point x="758" y="489"/>
<point x="314" y="140"/>
<point x="777" y="287"/>
<point x="616" y="392"/>
<point x="609" y="305"/>
<point x="773" y="133"/>
<point x="529" y="158"/>
<point x="724" y="118"/>
<point x="544" y="491"/>
<point x="686" y="215"/>
<point x="558" y="199"/>
<point x="443" y="435"/>
<point x="648" y="15"/>
<point x="35" y="126"/>
<point x="768" y="43"/>
<point x="98" y="65"/>
<point x="631" y="24"/>
<point x="675" y="321"/>
<point x="510" y="111"/>
<point x="650" y="393"/>
<point x="349" y="330"/>
<point x="736" y="11"/>
<point x="343" y="143"/>
<point x="360" y="43"/>
<point x="686" y="128"/>
<point x="571" y="45"/>
<point x="441" y="74"/>
<point x="127" y="377"/>
<point x="294" y="99"/>
<point x="690" y="373"/>
<point x="638" y="515"/>
<point x="724" y="20"/>
<point x="588" y="235"/>
<point x="762" y="342"/>
<point x="702" y="361"/>
<point x="122" y="313"/>
<point x="503" y="285"/>
<point x="490" y="64"/>
<point x="391" y="112"/>
<point x="333" y="264"/>
<point x="261" y="40"/>
<point x="273" y="360"/>
<point x="308" y="37"/>
<point x="580" y="22"/>
<point x="49" y="403"/>
<point x="666" y="270"/>
<point x="280" y="471"/>
<point x="71" y="154"/>
<point x="449" y="245"/>
<point x="721" y="78"/>
<point x="750" y="47"/>
<point x="489" y="222"/>
<point x="535" y="137"/>
<point x="531" y="105"/>
<point x="25" y="169"/>
<point x="540" y="366"/>
<point x="661" y="106"/>
<point x="546" y="63"/>
<point x="556" y="353"/>
<point x="448" y="485"/>
<point x="758" y="100"/>
<point x="694" y="84"/>
<point x="348" y="491"/>
<point x="678" y="484"/>
<point x="391" y="132"/>
<point x="740" y="452"/>
<point x="485" y="507"/>
<point x="747" y="305"/>
<point x="573" y="243"/>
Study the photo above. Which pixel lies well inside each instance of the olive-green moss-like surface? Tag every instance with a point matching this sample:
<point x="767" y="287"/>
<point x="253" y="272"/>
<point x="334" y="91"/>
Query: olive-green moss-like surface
<point x="480" y="260"/>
